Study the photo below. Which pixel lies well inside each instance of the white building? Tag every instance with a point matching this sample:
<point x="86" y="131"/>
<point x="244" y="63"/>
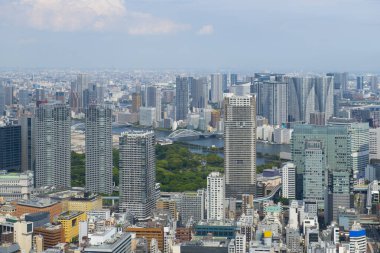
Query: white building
<point x="358" y="239"/>
<point x="15" y="186"/>
<point x="374" y="143"/>
<point x="215" y="196"/>
<point x="147" y="116"/>
<point x="288" y="180"/>
<point x="23" y="235"/>
<point x="265" y="133"/>
<point x="282" y="135"/>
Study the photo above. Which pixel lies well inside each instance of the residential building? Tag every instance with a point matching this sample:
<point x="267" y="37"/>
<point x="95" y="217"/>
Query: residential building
<point x="153" y="95"/>
<point x="53" y="146"/>
<point x="215" y="196"/>
<point x="137" y="173"/>
<point x="192" y="207"/>
<point x="374" y="143"/>
<point x="28" y="144"/>
<point x="99" y="149"/>
<point x="218" y="86"/>
<point x="199" y="93"/>
<point x="240" y="145"/>
<point x="147" y="116"/>
<point x="23" y="235"/>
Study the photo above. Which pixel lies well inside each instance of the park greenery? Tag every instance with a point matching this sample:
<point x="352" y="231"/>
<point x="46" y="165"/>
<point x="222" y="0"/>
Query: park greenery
<point x="177" y="168"/>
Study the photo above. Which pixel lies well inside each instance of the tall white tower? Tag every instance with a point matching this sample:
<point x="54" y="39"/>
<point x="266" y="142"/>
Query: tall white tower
<point x="215" y="196"/>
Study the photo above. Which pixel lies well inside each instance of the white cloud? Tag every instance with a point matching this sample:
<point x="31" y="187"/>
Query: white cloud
<point x="206" y="30"/>
<point x="78" y="15"/>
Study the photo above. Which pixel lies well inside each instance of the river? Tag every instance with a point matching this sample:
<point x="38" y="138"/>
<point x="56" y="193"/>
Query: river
<point x="261" y="147"/>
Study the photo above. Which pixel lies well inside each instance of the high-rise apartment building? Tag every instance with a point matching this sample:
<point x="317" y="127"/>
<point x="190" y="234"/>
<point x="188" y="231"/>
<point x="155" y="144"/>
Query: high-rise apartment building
<point x="240" y="145"/>
<point x="182" y="97"/>
<point x="307" y="95"/>
<point x="78" y="93"/>
<point x="273" y="101"/>
<point x="215" y="196"/>
<point x="192" y="207"/>
<point x="99" y="149"/>
<point x="53" y="145"/>
<point x="137" y="173"/>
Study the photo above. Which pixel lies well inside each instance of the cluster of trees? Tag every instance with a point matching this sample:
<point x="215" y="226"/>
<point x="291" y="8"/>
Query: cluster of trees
<point x="177" y="169"/>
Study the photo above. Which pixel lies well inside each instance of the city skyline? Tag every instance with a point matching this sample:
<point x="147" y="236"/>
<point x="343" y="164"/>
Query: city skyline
<point x="209" y="35"/>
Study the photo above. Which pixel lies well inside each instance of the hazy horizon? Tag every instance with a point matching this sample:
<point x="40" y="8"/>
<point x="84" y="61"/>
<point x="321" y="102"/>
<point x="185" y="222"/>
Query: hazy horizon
<point x="241" y="35"/>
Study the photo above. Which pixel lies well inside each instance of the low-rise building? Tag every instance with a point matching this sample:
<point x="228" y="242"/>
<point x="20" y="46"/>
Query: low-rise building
<point x="52" y="235"/>
<point x="39" y="205"/>
<point x="149" y="234"/>
<point x="70" y="222"/>
<point x="14" y="186"/>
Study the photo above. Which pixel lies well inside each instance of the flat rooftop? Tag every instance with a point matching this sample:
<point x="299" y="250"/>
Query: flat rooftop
<point x="69" y="215"/>
<point x="38" y="202"/>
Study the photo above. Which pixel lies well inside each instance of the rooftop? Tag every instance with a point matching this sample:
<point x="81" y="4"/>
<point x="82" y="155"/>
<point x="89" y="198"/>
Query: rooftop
<point x="69" y="215"/>
<point x="38" y="202"/>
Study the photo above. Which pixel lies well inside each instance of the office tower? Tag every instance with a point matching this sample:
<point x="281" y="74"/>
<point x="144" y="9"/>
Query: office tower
<point x="359" y="143"/>
<point x="359" y="82"/>
<point x="288" y="179"/>
<point x="192" y="207"/>
<point x="215" y="196"/>
<point x="374" y="143"/>
<point x="53" y="145"/>
<point x="182" y="97"/>
<point x="28" y="155"/>
<point x="24" y="97"/>
<point x="338" y="193"/>
<point x="309" y="94"/>
<point x="273" y="101"/>
<point x="314" y="175"/>
<point x="94" y="94"/>
<point x="358" y="239"/>
<point x="218" y="86"/>
<point x="335" y="142"/>
<point x="240" y="145"/>
<point x="199" y="91"/>
<point x="293" y="240"/>
<point x="99" y="149"/>
<point x="73" y="98"/>
<point x="40" y="95"/>
<point x="10" y="147"/>
<point x="241" y="89"/>
<point x="137" y="173"/>
<point x="136" y="102"/>
<point x="233" y="79"/>
<point x="153" y="95"/>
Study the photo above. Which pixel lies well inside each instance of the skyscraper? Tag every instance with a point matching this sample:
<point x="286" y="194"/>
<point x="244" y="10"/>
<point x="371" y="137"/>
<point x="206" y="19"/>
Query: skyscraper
<point x="153" y="95"/>
<point x="10" y="147"/>
<point x="359" y="82"/>
<point x="2" y="100"/>
<point x="53" y="145"/>
<point x="199" y="93"/>
<point x="307" y="95"/>
<point x="314" y="175"/>
<point x="137" y="173"/>
<point x="99" y="149"/>
<point x="240" y="145"/>
<point x="273" y="101"/>
<point x="136" y="102"/>
<point x="182" y="97"/>
<point x="28" y="155"/>
<point x="233" y="79"/>
<point x="218" y="86"/>
<point x="215" y="196"/>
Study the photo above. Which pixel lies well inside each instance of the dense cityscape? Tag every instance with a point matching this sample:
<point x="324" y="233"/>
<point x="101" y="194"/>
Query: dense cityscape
<point x="166" y="161"/>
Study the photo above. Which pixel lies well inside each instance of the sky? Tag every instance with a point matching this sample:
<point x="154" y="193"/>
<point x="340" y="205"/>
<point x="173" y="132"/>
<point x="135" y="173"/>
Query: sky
<point x="214" y="35"/>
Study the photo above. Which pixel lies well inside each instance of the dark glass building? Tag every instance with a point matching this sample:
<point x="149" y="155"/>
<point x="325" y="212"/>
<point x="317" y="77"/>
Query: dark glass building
<point x="10" y="148"/>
